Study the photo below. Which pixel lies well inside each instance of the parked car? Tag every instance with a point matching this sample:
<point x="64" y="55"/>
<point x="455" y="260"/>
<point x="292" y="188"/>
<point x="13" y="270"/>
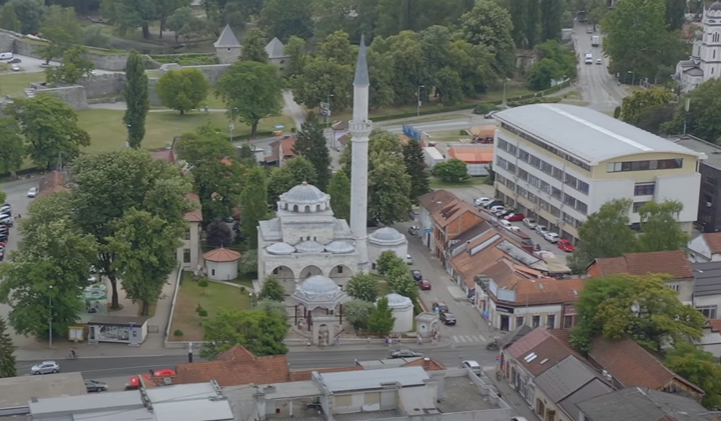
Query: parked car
<point x="447" y="318"/>
<point x="409" y="259"/>
<point x="5" y="207"/>
<point x="529" y="222"/>
<point x="497" y="208"/>
<point x="504" y="223"/>
<point x="440" y="306"/>
<point x="14" y="60"/>
<point x="473" y="366"/>
<point x="33" y="192"/>
<point x="513" y="228"/>
<point x="405" y="353"/>
<point x="95" y="386"/>
<point x="494" y="203"/>
<point x="14" y="68"/>
<point x="417" y="275"/>
<point x="134" y="381"/>
<point x="482" y="201"/>
<point x="6" y="220"/>
<point x="541" y="230"/>
<point x="424" y="285"/>
<point x="515" y="217"/>
<point x="565" y="245"/>
<point x="599" y="61"/>
<point x="551" y="237"/>
<point x="45" y="367"/>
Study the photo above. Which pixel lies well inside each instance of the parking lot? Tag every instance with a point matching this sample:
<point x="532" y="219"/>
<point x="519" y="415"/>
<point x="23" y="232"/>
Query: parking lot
<point x="37" y="65"/>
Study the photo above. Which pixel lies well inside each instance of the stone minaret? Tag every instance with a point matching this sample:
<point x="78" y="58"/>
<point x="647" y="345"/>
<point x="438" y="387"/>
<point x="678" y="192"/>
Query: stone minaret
<point x="360" y="129"/>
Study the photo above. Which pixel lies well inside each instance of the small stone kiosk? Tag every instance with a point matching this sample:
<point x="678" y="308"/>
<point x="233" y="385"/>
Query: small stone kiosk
<point x="322" y="301"/>
<point x="427" y="324"/>
<point x="402" y="312"/>
<point x="118" y="329"/>
<point x="222" y="264"/>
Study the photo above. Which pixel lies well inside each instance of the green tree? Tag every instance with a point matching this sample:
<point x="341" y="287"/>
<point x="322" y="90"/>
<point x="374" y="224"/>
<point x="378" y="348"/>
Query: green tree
<point x="30" y="14"/>
<point x="401" y="282"/>
<point x="532" y="27"/>
<point x="387" y="260"/>
<point x="403" y="56"/>
<point x="295" y="49"/>
<point x="109" y="184"/>
<point x="248" y="263"/>
<point x="416" y="169"/>
<point x="675" y="14"/>
<point x="93" y="36"/>
<point x="61" y="28"/>
<point x="363" y="286"/>
<point x="11" y="143"/>
<point x="660" y="227"/>
<point x="218" y="234"/>
<point x="7" y="349"/>
<point x="50" y="128"/>
<point x="272" y="308"/>
<point x="320" y="78"/>
<point x="339" y="191"/>
<point x="164" y="9"/>
<point x="3" y="196"/>
<point x="451" y="171"/>
<point x="605" y="233"/>
<point x="381" y="320"/>
<point x="638" y="103"/>
<point x="186" y="24"/>
<point x="701" y="119"/>
<point x="518" y="10"/>
<point x="136" y="98"/>
<point x="286" y="18"/>
<point x="182" y="90"/>
<point x="491" y="25"/>
<point x="144" y="245"/>
<point x="542" y="73"/>
<point x="259" y="332"/>
<point x="642" y="307"/>
<point x="74" y="67"/>
<point x="128" y="15"/>
<point x="357" y="313"/>
<point x="700" y="368"/>
<point x="253" y="203"/>
<point x="551" y="11"/>
<point x="251" y="92"/>
<point x="388" y="189"/>
<point x="254" y="46"/>
<point x="311" y="144"/>
<point x="9" y="18"/>
<point x="272" y="290"/>
<point x="294" y="172"/>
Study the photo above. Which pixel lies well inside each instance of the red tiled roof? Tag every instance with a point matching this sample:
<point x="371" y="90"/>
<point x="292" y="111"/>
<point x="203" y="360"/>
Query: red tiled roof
<point x="235" y="367"/>
<point x="715" y="324"/>
<point x="548" y="350"/>
<point x="196" y="215"/>
<point x="285" y="144"/>
<point x="221" y="255"/>
<point x="436" y="200"/>
<point x="472" y="154"/>
<point x="530" y="290"/>
<point x="52" y="183"/>
<point x="713" y="241"/>
<point x="672" y="262"/>
<point x="527" y="343"/>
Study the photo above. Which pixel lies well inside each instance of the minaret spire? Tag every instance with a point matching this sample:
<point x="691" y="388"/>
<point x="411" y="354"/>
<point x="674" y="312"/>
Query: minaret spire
<point x="360" y="129"/>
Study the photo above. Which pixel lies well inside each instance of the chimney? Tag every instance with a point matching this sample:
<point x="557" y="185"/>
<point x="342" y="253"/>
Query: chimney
<point x="426" y="363"/>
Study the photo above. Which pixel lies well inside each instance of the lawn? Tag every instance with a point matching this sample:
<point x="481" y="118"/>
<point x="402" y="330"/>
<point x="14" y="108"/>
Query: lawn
<point x="16" y="83"/>
<point x="108" y="133"/>
<point x="190" y="295"/>
<point x="437" y="183"/>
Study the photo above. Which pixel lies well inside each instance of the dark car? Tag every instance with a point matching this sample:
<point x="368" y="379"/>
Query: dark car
<point x="95" y="386"/>
<point x="417" y="275"/>
<point x="440" y="306"/>
<point x="448" y="318"/>
<point x="14" y="60"/>
<point x="405" y="353"/>
<point x="493" y="203"/>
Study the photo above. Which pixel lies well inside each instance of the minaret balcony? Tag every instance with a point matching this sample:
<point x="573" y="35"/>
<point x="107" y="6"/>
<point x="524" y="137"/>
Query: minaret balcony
<point x="360" y="128"/>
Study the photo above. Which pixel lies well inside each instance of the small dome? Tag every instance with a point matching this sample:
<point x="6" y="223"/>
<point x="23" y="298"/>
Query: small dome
<point x="304" y="194"/>
<point x="280" y="249"/>
<point x="318" y="285"/>
<point x="310" y="247"/>
<point x="397" y="300"/>
<point x="386" y="235"/>
<point x="339" y="247"/>
<point x="716" y="6"/>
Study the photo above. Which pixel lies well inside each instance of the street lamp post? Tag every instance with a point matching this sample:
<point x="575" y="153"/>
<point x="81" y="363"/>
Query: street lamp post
<point x="418" y="100"/>
<point x="50" y="318"/>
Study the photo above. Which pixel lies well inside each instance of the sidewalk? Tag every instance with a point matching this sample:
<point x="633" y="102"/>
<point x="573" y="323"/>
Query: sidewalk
<point x="513" y="398"/>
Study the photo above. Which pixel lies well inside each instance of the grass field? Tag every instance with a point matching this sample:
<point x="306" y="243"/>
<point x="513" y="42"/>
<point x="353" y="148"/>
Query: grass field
<point x="190" y="295"/>
<point x="16" y="83"/>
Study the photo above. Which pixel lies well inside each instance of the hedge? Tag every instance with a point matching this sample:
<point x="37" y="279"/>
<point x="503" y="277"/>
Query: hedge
<point x="186" y="59"/>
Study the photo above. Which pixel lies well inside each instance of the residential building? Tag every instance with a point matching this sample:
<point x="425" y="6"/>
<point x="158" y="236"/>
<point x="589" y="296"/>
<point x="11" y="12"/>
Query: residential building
<point x="52" y="183"/>
<point x="281" y="150"/>
<point x="430" y="203"/>
<point x="559" y="177"/>
<point x="672" y="263"/>
<point x="478" y="157"/>
<point x="705" y="61"/>
<point x="707" y="289"/>
<point x="709" y="200"/>
<point x="643" y="404"/>
<point x="705" y="248"/>
<point x="711" y="339"/>
<point x="562" y="387"/>
<point x="189" y="252"/>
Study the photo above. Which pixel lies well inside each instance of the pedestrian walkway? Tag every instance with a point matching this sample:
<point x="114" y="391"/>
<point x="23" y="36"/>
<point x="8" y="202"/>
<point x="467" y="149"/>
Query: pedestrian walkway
<point x="469" y="338"/>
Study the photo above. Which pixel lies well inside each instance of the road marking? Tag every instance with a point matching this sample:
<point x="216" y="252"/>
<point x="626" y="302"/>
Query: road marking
<point x="469" y="338"/>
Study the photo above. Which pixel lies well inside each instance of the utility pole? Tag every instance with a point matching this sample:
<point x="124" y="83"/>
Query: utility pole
<point x="50" y="318"/>
<point x="418" y="99"/>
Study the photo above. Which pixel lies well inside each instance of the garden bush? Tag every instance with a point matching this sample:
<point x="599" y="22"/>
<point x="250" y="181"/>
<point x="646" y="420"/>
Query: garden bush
<point x="186" y="59"/>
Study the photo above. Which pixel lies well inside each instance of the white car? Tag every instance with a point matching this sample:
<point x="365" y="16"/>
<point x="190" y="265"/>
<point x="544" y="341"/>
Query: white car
<point x="15" y="68"/>
<point x="513" y="228"/>
<point x="541" y="230"/>
<point x="529" y="222"/>
<point x="551" y="237"/>
<point x="504" y="223"/>
<point x="482" y="201"/>
<point x="473" y="366"/>
<point x="409" y="259"/>
<point x="497" y="208"/>
<point x="45" y="367"/>
<point x="33" y="192"/>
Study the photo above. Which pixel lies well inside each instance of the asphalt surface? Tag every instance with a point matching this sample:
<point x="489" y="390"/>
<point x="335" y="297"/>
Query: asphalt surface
<point x="36" y="65"/>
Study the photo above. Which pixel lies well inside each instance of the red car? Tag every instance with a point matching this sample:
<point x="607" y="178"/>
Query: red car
<point x="514" y="217"/>
<point x="424" y="285"/>
<point x="134" y="381"/>
<point x="565" y="245"/>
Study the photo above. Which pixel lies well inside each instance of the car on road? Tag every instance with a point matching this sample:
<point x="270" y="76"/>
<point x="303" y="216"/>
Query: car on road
<point x="417" y="275"/>
<point x="95" y="386"/>
<point x="551" y="237"/>
<point x="589" y="30"/>
<point x="599" y="61"/>
<point x="45" y="367"/>
<point x="424" y="285"/>
<point x="134" y="381"/>
<point x="14" y="68"/>
<point x="514" y="217"/>
<point x="473" y="366"/>
<point x="409" y="259"/>
<point x="504" y="223"/>
<point x="565" y="245"/>
<point x="482" y="201"/>
<point x="447" y="318"/>
<point x="529" y="222"/>
<point x="518" y="419"/>
<point x="14" y="60"/>
<point x="440" y="306"/>
<point x="33" y="192"/>
<point x="541" y="230"/>
<point x="405" y="353"/>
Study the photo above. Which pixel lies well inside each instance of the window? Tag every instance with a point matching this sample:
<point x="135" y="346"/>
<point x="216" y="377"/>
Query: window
<point x="551" y="321"/>
<point x="644" y="189"/>
<point x="661" y="164"/>
<point x="501" y="162"/>
<point x="557" y="174"/>
<point x="519" y="321"/>
<point x="569" y="200"/>
<point x="275" y="271"/>
<point x="709" y="312"/>
<point x="570" y="180"/>
<point x="536" y="321"/>
<point x="545" y="187"/>
<point x="535" y="161"/>
<point x="555" y="212"/>
<point x="512" y="149"/>
<point x="522" y="174"/>
<point x="502" y="144"/>
<point x="546" y="167"/>
<point x="567" y="322"/>
<point x="674" y="287"/>
<point x="569" y="219"/>
<point x="637" y="206"/>
<point x="187" y="234"/>
<point x="556" y="193"/>
<point x="534" y="181"/>
<point x="582" y="187"/>
<point x="582" y="207"/>
<point x="511" y="168"/>
<point x="186" y="255"/>
<point x="544" y="205"/>
<point x="340" y="269"/>
<point x="523" y="155"/>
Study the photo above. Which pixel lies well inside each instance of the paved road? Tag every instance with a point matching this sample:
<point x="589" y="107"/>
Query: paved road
<point x="35" y="65"/>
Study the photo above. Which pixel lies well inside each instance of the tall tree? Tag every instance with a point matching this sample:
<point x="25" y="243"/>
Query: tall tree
<point x="11" y="143"/>
<point x="701" y="120"/>
<point x="381" y="319"/>
<point x="218" y="234"/>
<point x="321" y="78"/>
<point x="531" y="28"/>
<point x="183" y="90"/>
<point x="75" y="66"/>
<point x="388" y="189"/>
<point x="339" y="191"/>
<point x="60" y="27"/>
<point x="259" y="332"/>
<point x="293" y="172"/>
<point x="295" y="49"/>
<point x="7" y="349"/>
<point x="311" y="144"/>
<point x="605" y="233"/>
<point x="675" y="14"/>
<point x="30" y="14"/>
<point x="363" y="286"/>
<point x="254" y="205"/>
<point x="9" y="18"/>
<point x="251" y="92"/>
<point x="164" y="9"/>
<point x="416" y="169"/>
<point x="699" y="367"/>
<point x="285" y="18"/>
<point x="128" y="15"/>
<point x="186" y="24"/>
<point x="271" y="290"/>
<point x="136" y="98"/>
<point x="254" y="46"/>
<point x="50" y="128"/>
<point x="491" y="25"/>
<point x="551" y="11"/>
<point x="642" y="101"/>
<point x="660" y="226"/>
<point x="642" y="307"/>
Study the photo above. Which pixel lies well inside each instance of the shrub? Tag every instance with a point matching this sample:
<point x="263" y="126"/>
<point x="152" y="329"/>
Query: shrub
<point x="198" y="308"/>
<point x="178" y="333"/>
<point x="203" y="313"/>
<point x="536" y="100"/>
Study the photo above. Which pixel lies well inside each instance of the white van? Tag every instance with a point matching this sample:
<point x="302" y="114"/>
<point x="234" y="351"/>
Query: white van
<point x="589" y="58"/>
<point x="6" y="56"/>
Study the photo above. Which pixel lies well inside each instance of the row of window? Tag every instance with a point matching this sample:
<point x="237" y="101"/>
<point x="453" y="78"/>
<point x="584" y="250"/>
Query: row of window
<point x="644" y="189"/>
<point x="543" y="145"/>
<point x="542" y="204"/>
<point x="544" y="166"/>
<point x="656" y="164"/>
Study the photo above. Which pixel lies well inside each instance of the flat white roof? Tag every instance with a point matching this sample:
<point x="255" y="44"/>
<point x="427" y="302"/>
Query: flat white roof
<point x="587" y="134"/>
<point x="433" y="152"/>
<point x="372" y="379"/>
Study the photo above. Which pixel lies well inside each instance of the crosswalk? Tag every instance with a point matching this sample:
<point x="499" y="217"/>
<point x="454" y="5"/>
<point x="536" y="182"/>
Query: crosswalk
<point x="468" y="338"/>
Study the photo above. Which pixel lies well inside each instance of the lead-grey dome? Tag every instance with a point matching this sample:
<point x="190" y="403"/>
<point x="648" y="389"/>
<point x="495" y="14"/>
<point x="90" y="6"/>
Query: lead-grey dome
<point x="280" y="249"/>
<point x="318" y="285"/>
<point x="339" y="247"/>
<point x="310" y="247"/>
<point x="319" y="291"/>
<point x="386" y="235"/>
<point x="716" y="6"/>
<point x="305" y="194"/>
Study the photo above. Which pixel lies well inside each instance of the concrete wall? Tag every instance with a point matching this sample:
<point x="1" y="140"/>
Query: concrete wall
<point x="102" y="85"/>
<point x="74" y="96"/>
<point x="228" y="55"/>
<point x="212" y="72"/>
